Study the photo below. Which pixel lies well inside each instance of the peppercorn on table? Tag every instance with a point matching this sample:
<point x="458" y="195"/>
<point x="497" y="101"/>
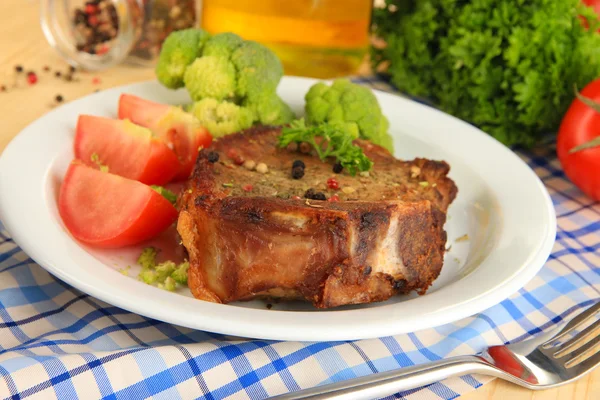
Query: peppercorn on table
<point x="42" y="359"/>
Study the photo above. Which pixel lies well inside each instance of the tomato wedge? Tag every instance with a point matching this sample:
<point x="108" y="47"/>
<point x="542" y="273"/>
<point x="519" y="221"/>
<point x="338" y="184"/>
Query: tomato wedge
<point x="181" y="131"/>
<point x="127" y="149"/>
<point x="107" y="210"/>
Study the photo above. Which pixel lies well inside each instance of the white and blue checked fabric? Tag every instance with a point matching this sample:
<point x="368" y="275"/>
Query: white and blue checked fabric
<point x="59" y="343"/>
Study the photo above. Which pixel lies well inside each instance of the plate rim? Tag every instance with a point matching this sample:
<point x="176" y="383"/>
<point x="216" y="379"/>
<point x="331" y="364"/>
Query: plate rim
<point x="248" y="329"/>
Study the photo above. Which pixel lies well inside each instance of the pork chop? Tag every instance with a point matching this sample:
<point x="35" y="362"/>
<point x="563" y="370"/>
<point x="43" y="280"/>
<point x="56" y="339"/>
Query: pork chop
<point x="254" y="233"/>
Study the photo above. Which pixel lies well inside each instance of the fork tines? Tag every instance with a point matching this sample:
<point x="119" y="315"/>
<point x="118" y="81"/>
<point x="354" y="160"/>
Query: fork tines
<point x="581" y="346"/>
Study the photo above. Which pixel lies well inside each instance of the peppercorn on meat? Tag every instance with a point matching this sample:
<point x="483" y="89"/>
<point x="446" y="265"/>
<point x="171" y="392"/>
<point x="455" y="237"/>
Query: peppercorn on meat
<point x="262" y="221"/>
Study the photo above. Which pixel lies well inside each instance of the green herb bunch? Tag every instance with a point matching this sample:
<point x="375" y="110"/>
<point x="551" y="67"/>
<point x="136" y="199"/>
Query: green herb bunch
<point x="508" y="66"/>
<point x="329" y="140"/>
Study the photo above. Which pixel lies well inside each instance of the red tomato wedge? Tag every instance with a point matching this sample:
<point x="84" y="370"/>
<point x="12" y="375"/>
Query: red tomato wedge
<point x="127" y="149"/>
<point x="107" y="210"/>
<point x="181" y="131"/>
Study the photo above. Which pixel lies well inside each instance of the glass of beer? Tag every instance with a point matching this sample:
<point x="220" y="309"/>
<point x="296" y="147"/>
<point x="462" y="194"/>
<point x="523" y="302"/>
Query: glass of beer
<point x="318" y="38"/>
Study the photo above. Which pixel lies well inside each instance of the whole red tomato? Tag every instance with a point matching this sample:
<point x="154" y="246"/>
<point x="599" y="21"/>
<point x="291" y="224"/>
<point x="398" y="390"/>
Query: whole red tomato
<point x="595" y="4"/>
<point x="578" y="143"/>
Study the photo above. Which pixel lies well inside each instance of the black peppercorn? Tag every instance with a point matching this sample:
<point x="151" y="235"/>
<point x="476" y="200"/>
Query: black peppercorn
<point x="19" y="68"/>
<point x="57" y="74"/>
<point x="213" y="157"/>
<point x="309" y="193"/>
<point x="337" y="168"/>
<point x="367" y="270"/>
<point x="297" y="172"/>
<point x="320" y="196"/>
<point x="298" y="163"/>
<point x="59" y="98"/>
<point x="312" y="195"/>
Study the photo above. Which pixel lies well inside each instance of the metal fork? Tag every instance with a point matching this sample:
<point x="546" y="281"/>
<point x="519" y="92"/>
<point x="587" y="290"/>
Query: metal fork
<point x="546" y="361"/>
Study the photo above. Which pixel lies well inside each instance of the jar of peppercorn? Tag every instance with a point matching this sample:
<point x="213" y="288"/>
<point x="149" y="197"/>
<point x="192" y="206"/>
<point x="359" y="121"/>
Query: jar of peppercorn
<point x="96" y="34"/>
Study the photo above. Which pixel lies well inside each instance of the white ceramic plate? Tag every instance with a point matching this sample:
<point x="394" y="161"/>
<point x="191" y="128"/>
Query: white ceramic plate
<point x="501" y="205"/>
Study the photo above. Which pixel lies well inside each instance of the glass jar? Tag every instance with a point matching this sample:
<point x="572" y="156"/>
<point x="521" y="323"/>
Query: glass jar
<point x="97" y="34"/>
<point x="318" y="38"/>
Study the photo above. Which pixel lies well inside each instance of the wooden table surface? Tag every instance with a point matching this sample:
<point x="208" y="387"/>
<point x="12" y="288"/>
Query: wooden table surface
<point x="23" y="43"/>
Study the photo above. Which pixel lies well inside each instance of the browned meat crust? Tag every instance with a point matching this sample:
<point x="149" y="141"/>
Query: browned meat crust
<point x="384" y="237"/>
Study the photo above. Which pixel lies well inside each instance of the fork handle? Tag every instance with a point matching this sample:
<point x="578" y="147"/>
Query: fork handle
<point x="387" y="383"/>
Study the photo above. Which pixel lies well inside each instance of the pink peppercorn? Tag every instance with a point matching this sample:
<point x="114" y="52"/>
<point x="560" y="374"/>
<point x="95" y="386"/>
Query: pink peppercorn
<point x="32" y="78"/>
<point x="333" y="183"/>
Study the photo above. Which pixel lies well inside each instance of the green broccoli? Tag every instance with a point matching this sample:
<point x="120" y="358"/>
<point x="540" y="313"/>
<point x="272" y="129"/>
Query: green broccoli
<point x="233" y="83"/>
<point x="148" y="276"/>
<point x="259" y="70"/>
<point x="178" y="51"/>
<point x="352" y="104"/>
<point x="164" y="270"/>
<point x="180" y="275"/>
<point x="222" y="45"/>
<point x="148" y="258"/>
<point x="222" y="117"/>
<point x="170" y="284"/>
<point x="210" y="77"/>
<point x="270" y="109"/>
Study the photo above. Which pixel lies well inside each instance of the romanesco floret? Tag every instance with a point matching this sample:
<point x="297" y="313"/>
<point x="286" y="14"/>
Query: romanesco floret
<point x="350" y="103"/>
<point x="222" y="117"/>
<point x="210" y="76"/>
<point x="178" y="51"/>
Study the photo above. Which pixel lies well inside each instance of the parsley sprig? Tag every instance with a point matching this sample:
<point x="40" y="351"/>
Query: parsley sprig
<point x="328" y="140"/>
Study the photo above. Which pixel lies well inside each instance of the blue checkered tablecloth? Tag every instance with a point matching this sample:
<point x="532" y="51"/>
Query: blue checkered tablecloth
<point x="59" y="343"/>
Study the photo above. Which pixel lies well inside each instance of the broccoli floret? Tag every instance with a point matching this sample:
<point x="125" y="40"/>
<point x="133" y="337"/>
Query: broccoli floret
<point x="233" y="83"/>
<point x="164" y="270"/>
<point x="347" y="102"/>
<point x="210" y="76"/>
<point x="166" y="275"/>
<point x="270" y="109"/>
<point x="148" y="258"/>
<point x="178" y="51"/>
<point x="147" y="276"/>
<point x="259" y="70"/>
<point x="169" y="284"/>
<point x="222" y="45"/>
<point x="222" y="117"/>
<point x="180" y="275"/>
